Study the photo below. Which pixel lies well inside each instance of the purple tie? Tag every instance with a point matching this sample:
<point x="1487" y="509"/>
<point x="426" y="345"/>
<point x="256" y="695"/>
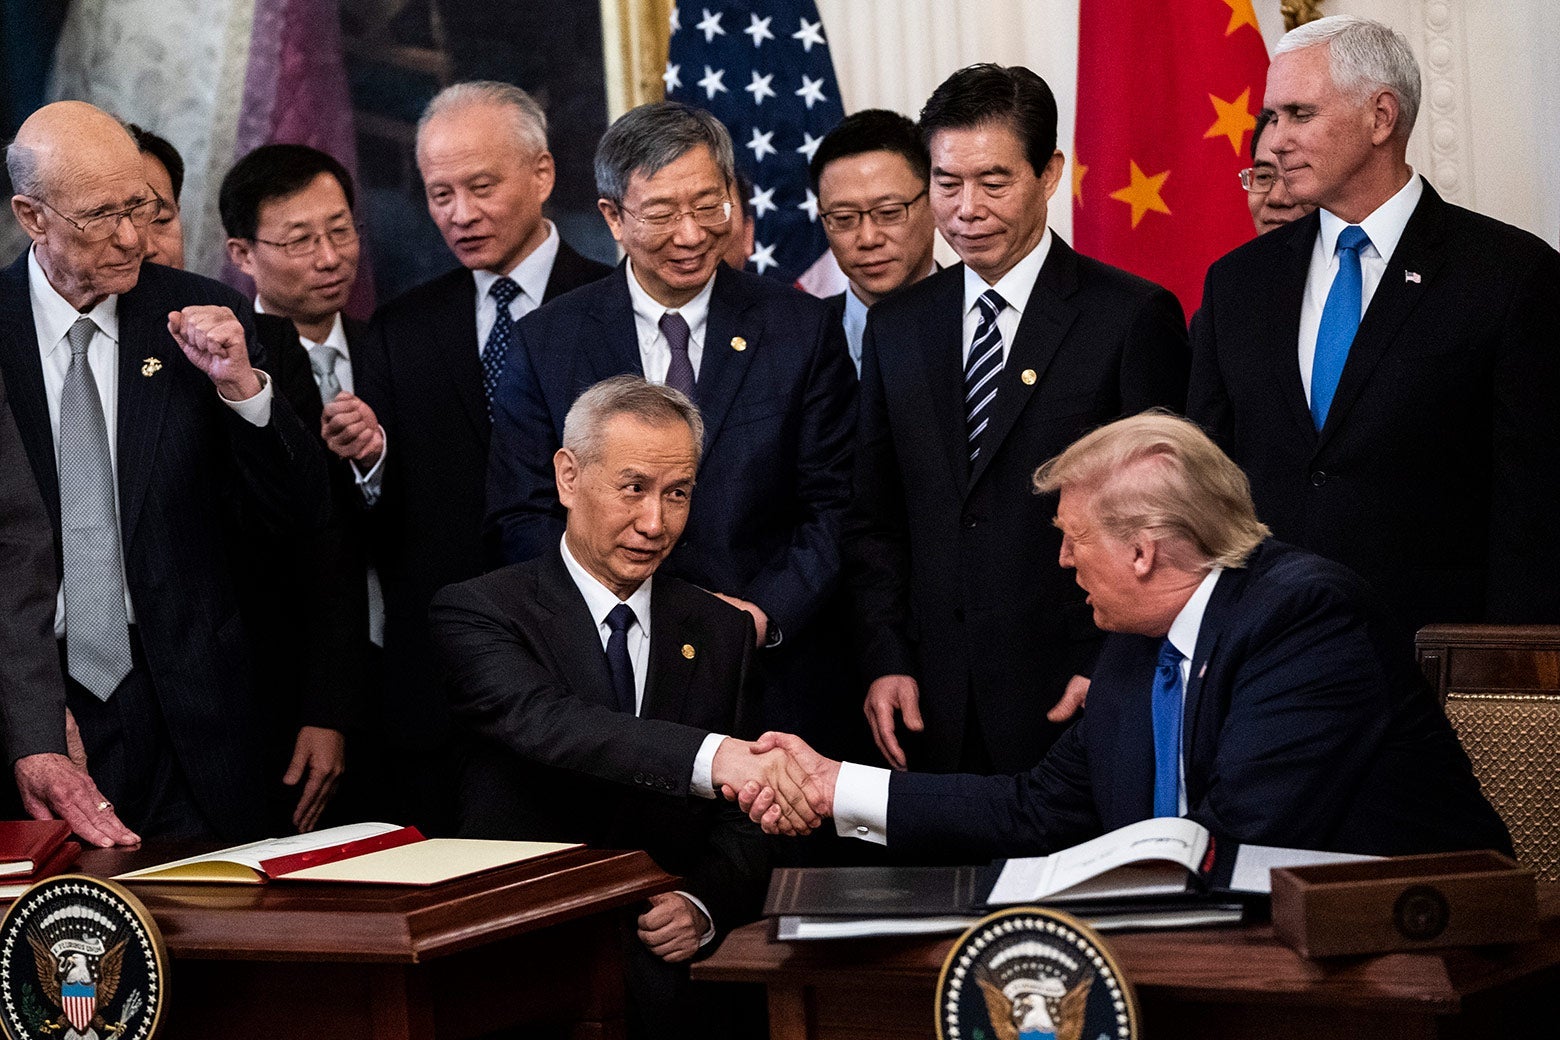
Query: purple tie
<point x="679" y="375"/>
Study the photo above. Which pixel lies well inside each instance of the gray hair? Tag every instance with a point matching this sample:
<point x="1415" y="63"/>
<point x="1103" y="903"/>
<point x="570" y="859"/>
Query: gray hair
<point x="21" y="163"/>
<point x="1365" y="56"/>
<point x="650" y="403"/>
<point x="650" y="138"/>
<point x="529" y="121"/>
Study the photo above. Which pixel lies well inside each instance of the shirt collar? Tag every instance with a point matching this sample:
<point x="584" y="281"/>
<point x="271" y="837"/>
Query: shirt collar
<point x="599" y="599"/>
<point x="1385" y="224"/>
<point x="336" y="337"/>
<point x="695" y="312"/>
<point x="1187" y="625"/>
<point x="1016" y="285"/>
<point x="531" y="273"/>
<point x="53" y="315"/>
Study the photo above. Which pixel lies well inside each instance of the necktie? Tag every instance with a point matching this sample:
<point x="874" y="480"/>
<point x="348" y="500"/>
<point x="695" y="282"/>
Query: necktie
<point x="1167" y="731"/>
<point x="97" y="634"/>
<point x="496" y="350"/>
<point x="323" y="360"/>
<point x="1340" y="320"/>
<point x="679" y="375"/>
<point x="982" y="369"/>
<point x="619" y="619"/>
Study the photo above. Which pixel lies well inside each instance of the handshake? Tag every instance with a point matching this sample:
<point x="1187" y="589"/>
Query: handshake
<point x="779" y="781"/>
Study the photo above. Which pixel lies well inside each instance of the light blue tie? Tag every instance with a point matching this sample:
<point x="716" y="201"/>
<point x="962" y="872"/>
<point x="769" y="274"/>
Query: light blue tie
<point x="1167" y="731"/>
<point x="1340" y="320"/>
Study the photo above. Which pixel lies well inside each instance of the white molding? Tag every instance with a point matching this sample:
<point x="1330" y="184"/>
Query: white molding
<point x="1444" y="119"/>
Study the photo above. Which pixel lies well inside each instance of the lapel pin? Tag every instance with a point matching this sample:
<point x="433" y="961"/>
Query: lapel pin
<point x="1028" y="376"/>
<point x="739" y="345"/>
<point x="1203" y="670"/>
<point x="688" y="651"/>
<point x="1411" y="276"/>
<point x="151" y="366"/>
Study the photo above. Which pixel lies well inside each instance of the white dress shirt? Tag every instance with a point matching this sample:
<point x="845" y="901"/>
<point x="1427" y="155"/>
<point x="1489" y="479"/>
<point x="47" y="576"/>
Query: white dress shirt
<point x="655" y="354"/>
<point x="530" y="275"/>
<point x="53" y="317"/>
<point x="861" y="792"/>
<point x="855" y="322"/>
<point x="1383" y="227"/>
<point x="1014" y="287"/>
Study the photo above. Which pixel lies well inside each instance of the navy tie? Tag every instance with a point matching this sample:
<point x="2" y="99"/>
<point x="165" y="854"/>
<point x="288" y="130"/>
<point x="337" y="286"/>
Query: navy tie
<point x="496" y="350"/>
<point x="982" y="368"/>
<point x="1167" y="731"/>
<point x="679" y="375"/>
<point x="1340" y="321"/>
<point x="620" y="619"/>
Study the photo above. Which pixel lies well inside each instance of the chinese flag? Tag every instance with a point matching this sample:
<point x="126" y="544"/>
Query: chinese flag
<point x="1168" y="95"/>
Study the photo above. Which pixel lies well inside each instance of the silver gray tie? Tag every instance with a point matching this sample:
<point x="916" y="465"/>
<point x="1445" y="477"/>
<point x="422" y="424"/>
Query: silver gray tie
<point x="323" y="360"/>
<point x="97" y="634"/>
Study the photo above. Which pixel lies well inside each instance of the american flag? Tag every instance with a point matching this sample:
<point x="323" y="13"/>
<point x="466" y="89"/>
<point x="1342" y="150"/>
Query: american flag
<point x="764" y="70"/>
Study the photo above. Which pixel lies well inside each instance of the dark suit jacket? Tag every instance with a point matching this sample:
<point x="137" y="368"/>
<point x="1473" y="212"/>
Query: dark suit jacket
<point x="1437" y="475"/>
<point x="954" y="572"/>
<point x="1307" y="725"/>
<point x="773" y="483"/>
<point x="189" y="469"/>
<point x="554" y="761"/>
<point x="421" y="374"/>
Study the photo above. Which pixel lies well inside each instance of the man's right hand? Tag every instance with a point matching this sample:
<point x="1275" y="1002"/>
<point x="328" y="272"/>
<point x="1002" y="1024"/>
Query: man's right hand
<point x="888" y="696"/>
<point x="739" y="764"/>
<point x="822" y="776"/>
<point x="351" y="430"/>
<point x="53" y="787"/>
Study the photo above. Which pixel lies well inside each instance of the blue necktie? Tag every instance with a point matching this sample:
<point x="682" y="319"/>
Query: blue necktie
<point x="619" y="620"/>
<point x="982" y="369"/>
<point x="1167" y="731"/>
<point x="1340" y="320"/>
<point x="496" y="350"/>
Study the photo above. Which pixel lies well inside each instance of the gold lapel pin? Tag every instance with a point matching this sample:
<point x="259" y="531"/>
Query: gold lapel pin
<point x="1028" y="376"/>
<point x="151" y="366"/>
<point x="688" y="651"/>
<point x="739" y="345"/>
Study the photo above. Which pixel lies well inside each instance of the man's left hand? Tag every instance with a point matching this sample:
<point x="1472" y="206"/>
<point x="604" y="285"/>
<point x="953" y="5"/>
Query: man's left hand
<point x="672" y="927"/>
<point x="1071" y="702"/>
<point x="760" y="619"/>
<point x="319" y="755"/>
<point x="213" y="339"/>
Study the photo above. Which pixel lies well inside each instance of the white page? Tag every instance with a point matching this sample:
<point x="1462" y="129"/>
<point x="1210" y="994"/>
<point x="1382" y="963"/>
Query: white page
<point x="1178" y="840"/>
<point x="1253" y="862"/>
<point x="250" y="855"/>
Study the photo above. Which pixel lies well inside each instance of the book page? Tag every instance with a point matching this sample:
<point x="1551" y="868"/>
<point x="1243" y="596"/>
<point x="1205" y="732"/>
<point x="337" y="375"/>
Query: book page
<point x="1253" y="863"/>
<point x="428" y="862"/>
<point x="227" y="864"/>
<point x="1164" y="852"/>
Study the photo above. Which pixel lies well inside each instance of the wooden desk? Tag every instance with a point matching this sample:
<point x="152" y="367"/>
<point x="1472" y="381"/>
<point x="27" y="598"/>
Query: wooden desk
<point x="531" y="943"/>
<point x="1207" y="984"/>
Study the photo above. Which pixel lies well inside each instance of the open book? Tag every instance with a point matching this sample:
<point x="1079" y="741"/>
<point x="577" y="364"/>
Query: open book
<point x="369" y="853"/>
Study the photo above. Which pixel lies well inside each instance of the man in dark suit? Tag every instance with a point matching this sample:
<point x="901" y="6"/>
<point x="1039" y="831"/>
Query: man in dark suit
<point x="138" y="380"/>
<point x="967" y="632"/>
<point x="1248" y="685"/>
<point x="427" y="375"/>
<point x="870" y="175"/>
<point x="599" y="689"/>
<point x="1385" y="370"/>
<point x="767" y="369"/>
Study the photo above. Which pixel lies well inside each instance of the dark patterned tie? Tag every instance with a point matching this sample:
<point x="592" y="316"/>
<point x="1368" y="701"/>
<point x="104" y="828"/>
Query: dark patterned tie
<point x="496" y="351"/>
<point x="323" y="360"/>
<point x="679" y="375"/>
<point x="620" y="619"/>
<point x="982" y="369"/>
<point x="97" y="633"/>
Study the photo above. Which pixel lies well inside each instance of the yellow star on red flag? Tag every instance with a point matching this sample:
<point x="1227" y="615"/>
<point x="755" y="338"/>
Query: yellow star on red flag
<point x="1234" y="119"/>
<point x="1142" y="194"/>
<point x="1241" y="13"/>
<point x="1078" y="173"/>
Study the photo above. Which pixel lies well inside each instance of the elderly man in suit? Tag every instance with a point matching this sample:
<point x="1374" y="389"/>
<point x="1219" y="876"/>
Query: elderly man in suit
<point x="763" y="362"/>
<point x="152" y="437"/>
<point x="1248" y="685"/>
<point x="970" y="639"/>
<point x="1385" y="369"/>
<point x="425" y="385"/>
<point x="599" y="690"/>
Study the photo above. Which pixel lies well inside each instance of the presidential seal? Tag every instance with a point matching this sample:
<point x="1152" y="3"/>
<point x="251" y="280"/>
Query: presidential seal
<point x="1033" y="974"/>
<point x="80" y="959"/>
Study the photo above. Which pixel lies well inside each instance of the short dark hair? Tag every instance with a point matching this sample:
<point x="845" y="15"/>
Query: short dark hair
<point x="647" y="139"/>
<point x="270" y="172"/>
<point x="1264" y="117"/>
<point x="873" y="130"/>
<point x="163" y="151"/>
<point x="989" y="93"/>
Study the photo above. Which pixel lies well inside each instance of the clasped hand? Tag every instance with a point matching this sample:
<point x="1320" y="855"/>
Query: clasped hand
<point x="779" y="781"/>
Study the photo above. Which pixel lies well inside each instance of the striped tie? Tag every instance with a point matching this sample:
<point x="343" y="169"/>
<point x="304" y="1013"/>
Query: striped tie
<point x="982" y="369"/>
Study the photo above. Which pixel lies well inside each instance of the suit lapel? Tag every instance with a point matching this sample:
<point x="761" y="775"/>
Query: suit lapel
<point x="942" y="368"/>
<point x="614" y="349"/>
<point x="722" y="367"/>
<point x="1284" y="366"/>
<point x="672" y="667"/>
<point x="143" y="398"/>
<point x="452" y="329"/>
<point x="24" y="383"/>
<point x="571" y="633"/>
<point x="1133" y="747"/>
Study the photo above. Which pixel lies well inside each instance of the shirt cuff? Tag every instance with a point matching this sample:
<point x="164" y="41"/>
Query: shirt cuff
<point x="702" y="785"/>
<point x="369" y="483"/>
<point x="861" y="803"/>
<point x="255" y="410"/>
<point x="709" y="933"/>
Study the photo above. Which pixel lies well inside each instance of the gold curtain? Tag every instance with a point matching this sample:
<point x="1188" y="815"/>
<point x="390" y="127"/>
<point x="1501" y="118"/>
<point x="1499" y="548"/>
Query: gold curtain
<point x="635" y="35"/>
<point x="1298" y="12"/>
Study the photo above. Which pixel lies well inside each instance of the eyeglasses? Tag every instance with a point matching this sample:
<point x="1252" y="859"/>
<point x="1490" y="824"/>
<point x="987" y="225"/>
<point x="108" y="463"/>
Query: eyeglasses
<point x="888" y="213"/>
<point x="1256" y="181"/>
<point x="308" y="243"/>
<point x="710" y="215"/>
<point x="96" y="229"/>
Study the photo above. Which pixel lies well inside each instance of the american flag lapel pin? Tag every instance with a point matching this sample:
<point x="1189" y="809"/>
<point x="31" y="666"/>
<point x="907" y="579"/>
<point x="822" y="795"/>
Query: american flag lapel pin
<point x="1411" y="276"/>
